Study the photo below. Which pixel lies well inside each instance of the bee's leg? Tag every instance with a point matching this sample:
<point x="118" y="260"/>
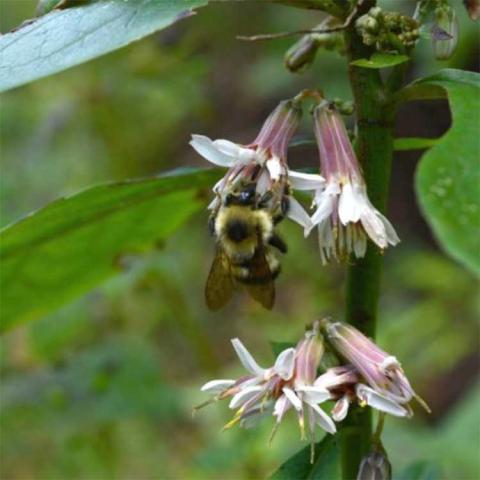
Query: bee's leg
<point x="285" y="205"/>
<point x="211" y="225"/>
<point x="265" y="199"/>
<point x="276" y="241"/>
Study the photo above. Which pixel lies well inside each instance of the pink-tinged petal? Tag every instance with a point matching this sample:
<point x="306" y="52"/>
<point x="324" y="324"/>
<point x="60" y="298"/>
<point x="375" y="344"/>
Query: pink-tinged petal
<point x="305" y="181"/>
<point x="298" y="214"/>
<point x="217" y="386"/>
<point x="244" y="396"/>
<point x="292" y="397"/>
<point x="282" y="405"/>
<point x="340" y="409"/>
<point x="314" y="394"/>
<point x="285" y="364"/>
<point x="206" y="148"/>
<point x="378" y="401"/>
<point x="322" y="419"/>
<point x="246" y="358"/>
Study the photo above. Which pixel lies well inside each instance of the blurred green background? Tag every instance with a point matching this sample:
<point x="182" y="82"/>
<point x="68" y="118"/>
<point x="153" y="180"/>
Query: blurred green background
<point x="104" y="388"/>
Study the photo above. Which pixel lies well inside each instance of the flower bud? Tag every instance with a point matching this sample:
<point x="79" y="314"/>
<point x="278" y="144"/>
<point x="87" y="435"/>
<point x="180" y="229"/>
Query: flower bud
<point x="381" y="370"/>
<point x="375" y="466"/>
<point x="473" y="8"/>
<point x="309" y="353"/>
<point x="445" y="33"/>
<point x="278" y="129"/>
<point x="301" y="54"/>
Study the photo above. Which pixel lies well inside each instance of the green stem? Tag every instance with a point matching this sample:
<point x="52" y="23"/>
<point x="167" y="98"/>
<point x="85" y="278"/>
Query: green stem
<point x="375" y="113"/>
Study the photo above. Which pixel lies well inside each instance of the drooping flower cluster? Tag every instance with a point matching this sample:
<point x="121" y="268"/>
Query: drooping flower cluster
<point x="370" y="377"/>
<point x="262" y="163"/>
<point x="344" y="214"/>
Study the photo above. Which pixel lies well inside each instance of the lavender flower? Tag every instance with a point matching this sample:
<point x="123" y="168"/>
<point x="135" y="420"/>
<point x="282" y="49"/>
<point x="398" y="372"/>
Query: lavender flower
<point x="344" y="214"/>
<point x="388" y="388"/>
<point x="262" y="162"/>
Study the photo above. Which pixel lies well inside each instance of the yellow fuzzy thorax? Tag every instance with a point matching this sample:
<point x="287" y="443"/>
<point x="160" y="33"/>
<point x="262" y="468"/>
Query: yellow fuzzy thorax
<point x="255" y="220"/>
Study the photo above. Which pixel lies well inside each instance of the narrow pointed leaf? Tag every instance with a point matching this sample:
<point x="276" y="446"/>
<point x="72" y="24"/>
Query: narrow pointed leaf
<point x="67" y="248"/>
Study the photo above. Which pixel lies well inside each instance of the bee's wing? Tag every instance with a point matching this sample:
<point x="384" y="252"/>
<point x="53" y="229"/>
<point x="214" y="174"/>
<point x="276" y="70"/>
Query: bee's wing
<point x="219" y="286"/>
<point x="260" y="285"/>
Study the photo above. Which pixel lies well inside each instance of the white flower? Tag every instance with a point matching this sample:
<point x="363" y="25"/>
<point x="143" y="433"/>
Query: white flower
<point x="262" y="162"/>
<point x="388" y="388"/>
<point x="250" y="394"/>
<point x="344" y="214"/>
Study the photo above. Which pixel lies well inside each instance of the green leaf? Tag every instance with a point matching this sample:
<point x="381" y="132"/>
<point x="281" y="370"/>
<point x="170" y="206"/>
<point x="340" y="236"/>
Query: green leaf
<point x="414" y="143"/>
<point x="381" y="60"/>
<point x="326" y="465"/>
<point x="448" y="177"/>
<point x="64" y="38"/>
<point x="71" y="245"/>
<point x="421" y="470"/>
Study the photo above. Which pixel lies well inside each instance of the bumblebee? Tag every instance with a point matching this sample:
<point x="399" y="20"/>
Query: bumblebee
<point x="246" y="245"/>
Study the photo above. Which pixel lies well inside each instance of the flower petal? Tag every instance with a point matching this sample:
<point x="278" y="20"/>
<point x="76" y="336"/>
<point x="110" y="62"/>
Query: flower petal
<point x="244" y="396"/>
<point x="340" y="409"/>
<point x="379" y="401"/>
<point x="246" y="358"/>
<point x="217" y="386"/>
<point x="374" y="227"/>
<point x="292" y="397"/>
<point x="324" y="202"/>
<point x="298" y="214"/>
<point x="254" y="415"/>
<point x="232" y="149"/>
<point x="349" y="205"/>
<point x="285" y="364"/>
<point x="322" y="419"/>
<point x="305" y="181"/>
<point x="206" y="148"/>
<point x="314" y="394"/>
<point x="281" y="407"/>
<point x="392" y="236"/>
<point x="275" y="168"/>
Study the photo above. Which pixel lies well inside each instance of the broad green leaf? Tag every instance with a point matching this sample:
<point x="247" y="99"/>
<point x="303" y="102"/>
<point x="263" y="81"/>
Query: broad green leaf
<point x="380" y="60"/>
<point x="326" y="465"/>
<point x="421" y="470"/>
<point x="414" y="143"/>
<point x="448" y="176"/>
<point x="68" y="247"/>
<point x="64" y="38"/>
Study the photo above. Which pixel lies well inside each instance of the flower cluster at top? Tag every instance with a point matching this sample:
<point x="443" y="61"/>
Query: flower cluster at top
<point x="343" y="214"/>
<point x="366" y="375"/>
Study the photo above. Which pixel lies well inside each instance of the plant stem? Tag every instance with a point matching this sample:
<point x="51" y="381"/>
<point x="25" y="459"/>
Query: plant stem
<point x="374" y="146"/>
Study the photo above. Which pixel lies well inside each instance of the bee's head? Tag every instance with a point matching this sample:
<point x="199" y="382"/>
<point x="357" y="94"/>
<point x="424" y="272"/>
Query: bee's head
<point x="245" y="197"/>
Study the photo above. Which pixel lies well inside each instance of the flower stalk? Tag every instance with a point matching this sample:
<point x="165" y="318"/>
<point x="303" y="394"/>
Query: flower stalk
<point x="374" y="148"/>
